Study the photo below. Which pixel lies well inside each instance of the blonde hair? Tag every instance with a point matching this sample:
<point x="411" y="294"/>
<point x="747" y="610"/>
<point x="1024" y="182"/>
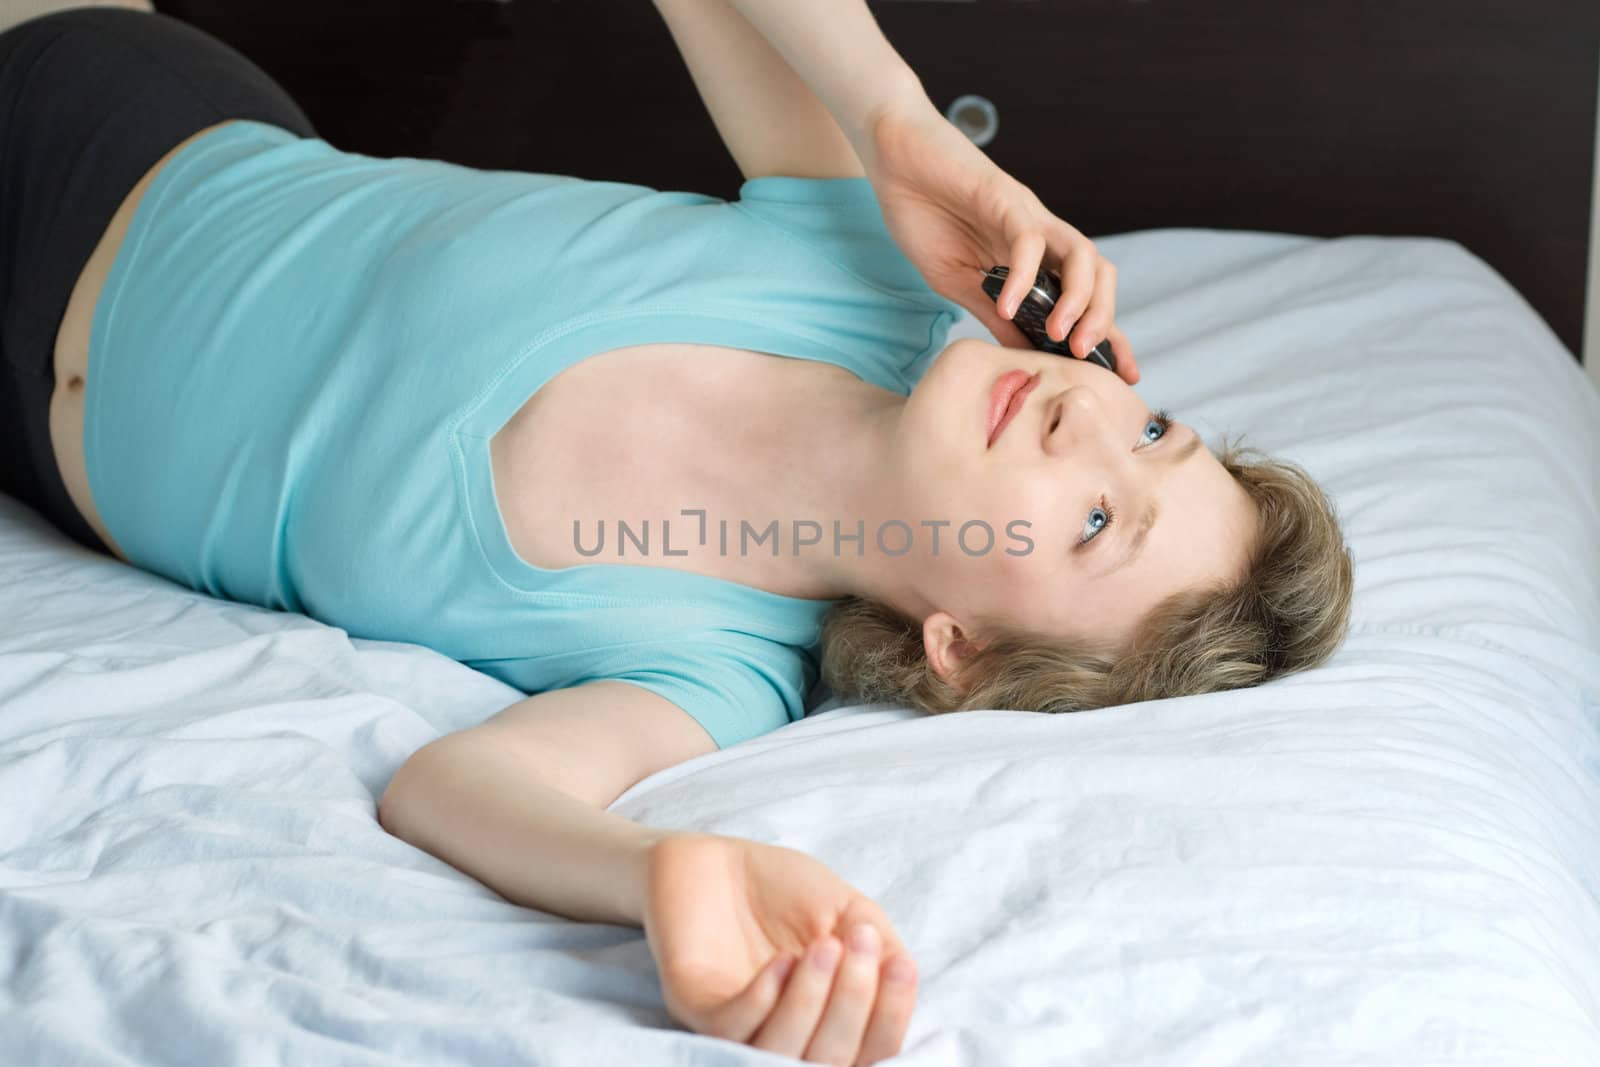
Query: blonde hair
<point x="1290" y="612"/>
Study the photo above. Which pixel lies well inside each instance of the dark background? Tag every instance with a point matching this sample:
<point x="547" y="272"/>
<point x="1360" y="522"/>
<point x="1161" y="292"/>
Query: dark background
<point x="1467" y="119"/>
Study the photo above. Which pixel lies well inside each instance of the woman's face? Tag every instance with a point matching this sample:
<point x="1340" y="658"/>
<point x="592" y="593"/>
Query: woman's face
<point x="1063" y="488"/>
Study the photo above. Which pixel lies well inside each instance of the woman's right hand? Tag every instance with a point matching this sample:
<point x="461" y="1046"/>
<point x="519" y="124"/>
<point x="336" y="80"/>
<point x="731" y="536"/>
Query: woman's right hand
<point x="723" y="914"/>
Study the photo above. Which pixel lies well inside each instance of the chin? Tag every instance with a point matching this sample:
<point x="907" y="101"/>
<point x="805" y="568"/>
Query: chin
<point x="945" y="362"/>
<point x="965" y="367"/>
<point x="937" y="382"/>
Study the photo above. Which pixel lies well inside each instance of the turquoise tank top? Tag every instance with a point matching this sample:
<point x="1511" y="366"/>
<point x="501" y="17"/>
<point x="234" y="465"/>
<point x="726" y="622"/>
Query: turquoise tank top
<point x="300" y="354"/>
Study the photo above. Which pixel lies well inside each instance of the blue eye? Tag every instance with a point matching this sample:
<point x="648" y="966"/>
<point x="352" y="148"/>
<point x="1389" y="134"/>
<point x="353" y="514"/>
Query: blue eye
<point x="1161" y="419"/>
<point x="1106" y="512"/>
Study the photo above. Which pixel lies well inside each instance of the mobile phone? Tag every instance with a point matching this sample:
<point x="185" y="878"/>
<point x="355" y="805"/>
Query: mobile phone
<point x="1035" y="308"/>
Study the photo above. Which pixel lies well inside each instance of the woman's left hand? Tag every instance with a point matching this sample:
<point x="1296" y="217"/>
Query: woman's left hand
<point x="722" y="913"/>
<point x="955" y="213"/>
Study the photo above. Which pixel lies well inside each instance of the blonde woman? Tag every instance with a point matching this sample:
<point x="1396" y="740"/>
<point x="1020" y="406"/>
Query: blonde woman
<point x="654" y="458"/>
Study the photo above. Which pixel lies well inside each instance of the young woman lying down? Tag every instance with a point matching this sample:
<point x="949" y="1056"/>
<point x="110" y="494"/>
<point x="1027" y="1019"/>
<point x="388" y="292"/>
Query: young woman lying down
<point x="656" y="459"/>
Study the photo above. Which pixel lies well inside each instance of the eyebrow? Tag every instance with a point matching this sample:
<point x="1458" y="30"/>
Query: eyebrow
<point x="1148" y="519"/>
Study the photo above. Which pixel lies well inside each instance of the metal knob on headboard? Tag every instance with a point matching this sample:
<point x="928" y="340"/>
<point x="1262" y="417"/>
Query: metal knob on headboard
<point x="974" y="116"/>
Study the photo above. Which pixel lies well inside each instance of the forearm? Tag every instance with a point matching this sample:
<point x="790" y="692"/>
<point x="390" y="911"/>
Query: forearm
<point x="770" y="120"/>
<point x="838" y="50"/>
<point x="481" y="808"/>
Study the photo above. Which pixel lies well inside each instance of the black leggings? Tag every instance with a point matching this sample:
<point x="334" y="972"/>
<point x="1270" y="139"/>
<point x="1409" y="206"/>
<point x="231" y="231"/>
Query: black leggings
<point x="90" y="98"/>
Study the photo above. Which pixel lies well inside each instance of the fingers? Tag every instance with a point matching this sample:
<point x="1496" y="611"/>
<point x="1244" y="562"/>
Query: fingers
<point x="848" y="1004"/>
<point x="738" y="1019"/>
<point x="891" y="1014"/>
<point x="1006" y="334"/>
<point x="788" y="1029"/>
<point x="1087" y="306"/>
<point x="855" y="988"/>
<point x="1079" y="274"/>
<point x="1127" y="368"/>
<point x="1094" y="323"/>
<point x="896" y="989"/>
<point x="1027" y="253"/>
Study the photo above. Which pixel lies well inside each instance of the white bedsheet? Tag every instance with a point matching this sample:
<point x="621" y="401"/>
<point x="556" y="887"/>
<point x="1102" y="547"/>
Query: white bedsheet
<point x="1393" y="859"/>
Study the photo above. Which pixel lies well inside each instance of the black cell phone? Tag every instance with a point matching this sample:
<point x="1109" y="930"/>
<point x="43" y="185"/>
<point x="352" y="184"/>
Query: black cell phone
<point x="1035" y="308"/>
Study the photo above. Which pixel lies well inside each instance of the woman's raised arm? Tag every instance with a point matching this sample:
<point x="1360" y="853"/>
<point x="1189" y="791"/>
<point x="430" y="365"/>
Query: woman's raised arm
<point x="838" y="50"/>
<point x="950" y="208"/>
<point x="770" y="120"/>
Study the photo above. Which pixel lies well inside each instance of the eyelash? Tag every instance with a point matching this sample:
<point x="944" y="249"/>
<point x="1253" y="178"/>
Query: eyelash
<point x="1162" y="416"/>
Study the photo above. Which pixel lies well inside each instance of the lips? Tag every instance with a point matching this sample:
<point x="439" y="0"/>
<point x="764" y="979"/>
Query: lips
<point x="1006" y="398"/>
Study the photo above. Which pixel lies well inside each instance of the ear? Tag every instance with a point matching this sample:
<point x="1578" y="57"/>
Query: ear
<point x="947" y="646"/>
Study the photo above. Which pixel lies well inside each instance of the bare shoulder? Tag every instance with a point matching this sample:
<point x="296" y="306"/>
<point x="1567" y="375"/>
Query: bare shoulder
<point x="595" y="741"/>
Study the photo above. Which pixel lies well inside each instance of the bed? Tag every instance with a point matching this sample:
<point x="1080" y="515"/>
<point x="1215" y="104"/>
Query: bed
<point x="1391" y="859"/>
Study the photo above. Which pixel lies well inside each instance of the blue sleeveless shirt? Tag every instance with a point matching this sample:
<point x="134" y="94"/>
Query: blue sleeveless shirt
<point x="300" y="355"/>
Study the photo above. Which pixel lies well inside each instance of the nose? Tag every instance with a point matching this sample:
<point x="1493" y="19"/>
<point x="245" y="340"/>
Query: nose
<point x="1073" y="419"/>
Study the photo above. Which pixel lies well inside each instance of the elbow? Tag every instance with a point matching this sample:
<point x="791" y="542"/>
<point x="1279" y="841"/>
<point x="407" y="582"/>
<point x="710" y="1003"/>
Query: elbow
<point x="388" y="804"/>
<point x="392" y="804"/>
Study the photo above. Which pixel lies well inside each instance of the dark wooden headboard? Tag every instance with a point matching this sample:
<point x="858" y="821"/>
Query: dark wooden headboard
<point x="1467" y="119"/>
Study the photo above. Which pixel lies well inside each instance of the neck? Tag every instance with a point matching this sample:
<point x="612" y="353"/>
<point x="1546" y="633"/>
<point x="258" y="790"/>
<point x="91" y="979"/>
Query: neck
<point x="835" y="452"/>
